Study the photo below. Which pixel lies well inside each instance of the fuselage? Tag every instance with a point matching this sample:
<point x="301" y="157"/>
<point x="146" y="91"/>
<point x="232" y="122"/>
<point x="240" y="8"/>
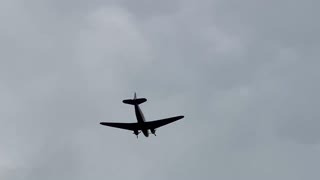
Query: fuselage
<point x="141" y="120"/>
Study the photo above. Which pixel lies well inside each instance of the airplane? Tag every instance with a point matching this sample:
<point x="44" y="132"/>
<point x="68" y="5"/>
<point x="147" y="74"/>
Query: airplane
<point x="141" y="124"/>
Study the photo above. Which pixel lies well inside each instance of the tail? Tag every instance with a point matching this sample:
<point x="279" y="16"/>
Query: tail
<point x="135" y="100"/>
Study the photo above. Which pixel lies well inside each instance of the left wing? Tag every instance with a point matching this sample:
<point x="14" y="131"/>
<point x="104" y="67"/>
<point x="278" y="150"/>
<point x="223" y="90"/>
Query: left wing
<point x="127" y="126"/>
<point x="161" y="122"/>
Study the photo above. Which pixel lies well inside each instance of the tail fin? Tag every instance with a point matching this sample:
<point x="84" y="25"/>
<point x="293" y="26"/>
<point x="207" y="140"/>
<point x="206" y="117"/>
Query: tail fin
<point x="135" y="100"/>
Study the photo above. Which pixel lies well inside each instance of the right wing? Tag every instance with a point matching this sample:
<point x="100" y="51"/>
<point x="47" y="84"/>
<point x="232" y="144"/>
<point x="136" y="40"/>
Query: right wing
<point x="127" y="126"/>
<point x="161" y="122"/>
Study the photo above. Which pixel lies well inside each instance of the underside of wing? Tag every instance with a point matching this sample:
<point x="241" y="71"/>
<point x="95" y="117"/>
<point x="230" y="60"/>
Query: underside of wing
<point x="162" y="122"/>
<point x="127" y="126"/>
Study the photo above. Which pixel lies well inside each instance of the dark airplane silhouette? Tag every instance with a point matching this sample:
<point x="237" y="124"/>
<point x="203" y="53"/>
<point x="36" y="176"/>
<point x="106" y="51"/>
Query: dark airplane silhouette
<point x="141" y="125"/>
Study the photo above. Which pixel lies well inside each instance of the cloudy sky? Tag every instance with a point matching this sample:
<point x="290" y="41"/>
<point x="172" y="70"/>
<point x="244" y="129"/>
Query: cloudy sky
<point x="244" y="74"/>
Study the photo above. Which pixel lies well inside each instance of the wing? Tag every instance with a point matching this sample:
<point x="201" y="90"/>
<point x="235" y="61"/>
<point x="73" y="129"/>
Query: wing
<point x="127" y="126"/>
<point x="162" y="122"/>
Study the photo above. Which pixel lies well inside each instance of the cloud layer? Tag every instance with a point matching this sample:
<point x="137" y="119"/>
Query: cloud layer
<point x="244" y="74"/>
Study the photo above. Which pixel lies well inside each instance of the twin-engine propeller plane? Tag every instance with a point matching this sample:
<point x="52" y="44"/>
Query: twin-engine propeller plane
<point x="141" y="124"/>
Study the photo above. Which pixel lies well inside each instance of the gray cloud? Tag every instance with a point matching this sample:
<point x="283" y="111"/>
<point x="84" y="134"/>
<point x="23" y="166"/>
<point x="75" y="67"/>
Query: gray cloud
<point x="243" y="73"/>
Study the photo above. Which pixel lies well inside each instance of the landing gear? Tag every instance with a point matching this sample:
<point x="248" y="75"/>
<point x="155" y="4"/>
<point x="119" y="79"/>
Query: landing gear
<point x="153" y="131"/>
<point x="136" y="133"/>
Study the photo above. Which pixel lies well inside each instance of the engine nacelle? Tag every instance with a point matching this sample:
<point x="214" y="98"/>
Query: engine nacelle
<point x="136" y="132"/>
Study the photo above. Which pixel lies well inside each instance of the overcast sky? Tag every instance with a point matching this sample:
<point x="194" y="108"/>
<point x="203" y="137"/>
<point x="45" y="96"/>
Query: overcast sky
<point x="244" y="73"/>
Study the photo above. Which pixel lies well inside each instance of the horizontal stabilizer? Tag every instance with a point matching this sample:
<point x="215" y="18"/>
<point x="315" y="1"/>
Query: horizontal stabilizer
<point x="134" y="101"/>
